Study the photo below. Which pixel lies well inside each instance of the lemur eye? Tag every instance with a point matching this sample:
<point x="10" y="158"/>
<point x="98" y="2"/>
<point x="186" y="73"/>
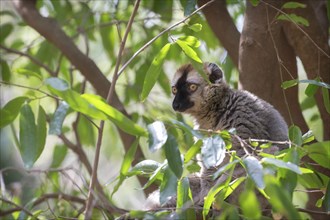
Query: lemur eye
<point x="174" y="90"/>
<point x="192" y="87"/>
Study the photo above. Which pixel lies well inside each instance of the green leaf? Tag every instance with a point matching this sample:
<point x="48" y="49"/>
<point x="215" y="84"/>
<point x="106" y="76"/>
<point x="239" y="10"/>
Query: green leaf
<point x="220" y="190"/>
<point x="115" y="116"/>
<point x="164" y="83"/>
<point x="320" y="153"/>
<point x="183" y="126"/>
<point x="189" y="6"/>
<point x="326" y="100"/>
<point x="254" y="170"/>
<point x="281" y="201"/>
<point x="196" y="27"/>
<point x="326" y="200"/>
<point x="308" y="137"/>
<point x="295" y="135"/>
<point x="213" y="151"/>
<point x="41" y="131"/>
<point x="315" y="82"/>
<point x="129" y="157"/>
<point x="184" y="193"/>
<point x="86" y="132"/>
<point x="290" y="83"/>
<point x="311" y="89"/>
<point x="254" y="2"/>
<point x="184" y="199"/>
<point x="108" y="34"/>
<point x="10" y="111"/>
<point x="288" y="178"/>
<point x="157" y="135"/>
<point x="6" y="29"/>
<point x="294" y="5"/>
<point x="60" y="151"/>
<point x="294" y="18"/>
<point x="164" y="9"/>
<point x="155" y="175"/>
<point x="126" y="164"/>
<point x="191" y="41"/>
<point x="224" y="168"/>
<point x="56" y="123"/>
<point x="191" y="53"/>
<point x="57" y="83"/>
<point x="279" y="163"/>
<point x="28" y="136"/>
<point x="78" y="103"/>
<point x="153" y="71"/>
<point x="173" y="156"/>
<point x="193" y="150"/>
<point x="246" y="198"/>
<point x="145" y="167"/>
<point x="28" y="73"/>
<point x="168" y="186"/>
<point x="4" y="71"/>
<point x="232" y="186"/>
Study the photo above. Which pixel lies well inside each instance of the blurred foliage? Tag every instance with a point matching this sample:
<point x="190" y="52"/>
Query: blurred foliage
<point x="72" y="111"/>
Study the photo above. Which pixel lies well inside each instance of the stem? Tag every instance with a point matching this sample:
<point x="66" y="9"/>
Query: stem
<point x="34" y="60"/>
<point x="161" y="34"/>
<point x="280" y="66"/>
<point x="28" y="87"/>
<point x="89" y="205"/>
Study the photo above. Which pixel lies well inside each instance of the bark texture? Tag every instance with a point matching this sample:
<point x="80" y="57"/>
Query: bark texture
<point x="223" y="26"/>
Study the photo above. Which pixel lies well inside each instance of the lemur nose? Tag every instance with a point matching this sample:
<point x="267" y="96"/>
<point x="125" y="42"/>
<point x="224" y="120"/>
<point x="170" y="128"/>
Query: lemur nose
<point x="176" y="106"/>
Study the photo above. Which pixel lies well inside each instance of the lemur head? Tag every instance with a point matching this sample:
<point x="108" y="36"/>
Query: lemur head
<point x="188" y="86"/>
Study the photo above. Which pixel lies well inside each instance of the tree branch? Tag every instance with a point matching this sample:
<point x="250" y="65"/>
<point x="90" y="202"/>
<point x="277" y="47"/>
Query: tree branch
<point x="18" y="207"/>
<point x="161" y="34"/>
<point x="223" y="27"/>
<point x="34" y="60"/>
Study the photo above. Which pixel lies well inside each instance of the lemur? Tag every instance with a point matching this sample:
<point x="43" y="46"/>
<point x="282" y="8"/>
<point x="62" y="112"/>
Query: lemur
<point x="215" y="106"/>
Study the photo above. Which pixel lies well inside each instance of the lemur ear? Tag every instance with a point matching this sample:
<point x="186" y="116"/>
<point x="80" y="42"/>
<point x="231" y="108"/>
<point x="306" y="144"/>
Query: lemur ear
<point x="214" y="72"/>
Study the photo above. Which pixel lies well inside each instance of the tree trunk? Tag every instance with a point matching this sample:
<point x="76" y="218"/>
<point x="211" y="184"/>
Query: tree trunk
<point x="267" y="60"/>
<point x="220" y="21"/>
<point x="311" y="46"/>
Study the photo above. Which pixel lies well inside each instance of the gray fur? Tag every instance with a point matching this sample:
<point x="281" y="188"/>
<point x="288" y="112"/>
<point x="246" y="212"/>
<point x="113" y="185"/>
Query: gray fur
<point x="216" y="106"/>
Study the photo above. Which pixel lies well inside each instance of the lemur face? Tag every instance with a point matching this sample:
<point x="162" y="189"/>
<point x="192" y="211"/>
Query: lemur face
<point x="188" y="86"/>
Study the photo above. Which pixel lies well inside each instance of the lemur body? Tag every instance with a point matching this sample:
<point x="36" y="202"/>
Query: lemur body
<point x="216" y="106"/>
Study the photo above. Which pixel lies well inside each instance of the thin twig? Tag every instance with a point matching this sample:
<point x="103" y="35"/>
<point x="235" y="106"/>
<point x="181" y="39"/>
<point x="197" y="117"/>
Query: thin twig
<point x="79" y="151"/>
<point x="33" y="59"/>
<point x="28" y="87"/>
<point x="313" y="212"/>
<point x="270" y="141"/>
<point x="18" y="208"/>
<point x="59" y="196"/>
<point x="161" y="34"/>
<point x="89" y="204"/>
<point x="280" y="64"/>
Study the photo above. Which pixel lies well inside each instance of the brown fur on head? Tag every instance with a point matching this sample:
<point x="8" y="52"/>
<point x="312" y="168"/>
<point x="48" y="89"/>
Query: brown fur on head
<point x="189" y="87"/>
